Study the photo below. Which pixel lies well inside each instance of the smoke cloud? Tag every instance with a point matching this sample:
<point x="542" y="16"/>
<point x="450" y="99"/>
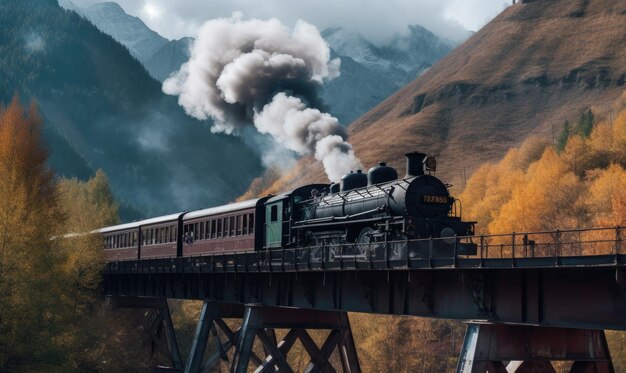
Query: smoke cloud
<point x="260" y="73"/>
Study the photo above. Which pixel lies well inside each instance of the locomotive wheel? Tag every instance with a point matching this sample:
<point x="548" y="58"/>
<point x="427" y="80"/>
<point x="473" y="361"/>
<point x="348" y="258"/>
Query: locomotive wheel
<point x="366" y="243"/>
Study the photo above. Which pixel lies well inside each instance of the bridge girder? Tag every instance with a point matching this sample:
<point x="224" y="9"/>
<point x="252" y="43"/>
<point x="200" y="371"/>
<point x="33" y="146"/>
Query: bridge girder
<point x="587" y="297"/>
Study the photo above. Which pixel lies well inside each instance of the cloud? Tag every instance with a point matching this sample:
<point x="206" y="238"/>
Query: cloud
<point x="376" y="20"/>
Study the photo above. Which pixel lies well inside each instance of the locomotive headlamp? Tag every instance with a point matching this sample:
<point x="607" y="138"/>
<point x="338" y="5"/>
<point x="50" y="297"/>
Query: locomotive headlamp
<point x="430" y="164"/>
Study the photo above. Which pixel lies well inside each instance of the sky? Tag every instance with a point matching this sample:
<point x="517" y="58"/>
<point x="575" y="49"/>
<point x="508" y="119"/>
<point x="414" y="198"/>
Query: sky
<point x="376" y="20"/>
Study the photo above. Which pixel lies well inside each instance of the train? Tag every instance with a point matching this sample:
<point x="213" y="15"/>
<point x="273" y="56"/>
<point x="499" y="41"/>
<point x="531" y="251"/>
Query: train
<point x="361" y="216"/>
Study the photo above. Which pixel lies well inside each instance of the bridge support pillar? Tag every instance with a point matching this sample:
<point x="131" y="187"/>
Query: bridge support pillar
<point x="261" y="321"/>
<point x="211" y="321"/>
<point x="487" y="347"/>
<point x="158" y="324"/>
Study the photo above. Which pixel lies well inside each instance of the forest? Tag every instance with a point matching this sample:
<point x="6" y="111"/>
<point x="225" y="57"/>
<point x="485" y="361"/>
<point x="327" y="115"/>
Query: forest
<point x="53" y="316"/>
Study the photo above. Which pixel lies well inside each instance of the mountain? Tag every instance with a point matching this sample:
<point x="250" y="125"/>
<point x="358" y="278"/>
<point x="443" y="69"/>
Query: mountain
<point x="403" y="58"/>
<point x="130" y="31"/>
<point x="159" y="55"/>
<point x="101" y="109"/>
<point x="169" y="58"/>
<point x="531" y="68"/>
<point x="370" y="73"/>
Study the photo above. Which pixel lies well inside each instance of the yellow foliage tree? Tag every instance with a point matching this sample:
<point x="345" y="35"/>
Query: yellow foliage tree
<point x="535" y="188"/>
<point x="87" y="206"/>
<point x="492" y="185"/>
<point x="29" y="216"/>
<point x="49" y="281"/>
<point x="607" y="195"/>
<point x="540" y="199"/>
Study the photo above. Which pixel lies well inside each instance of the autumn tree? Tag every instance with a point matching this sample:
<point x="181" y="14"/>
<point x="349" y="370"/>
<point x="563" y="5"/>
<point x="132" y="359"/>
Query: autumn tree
<point x="29" y="217"/>
<point x="50" y="263"/>
<point x="87" y="206"/>
<point x="578" y="183"/>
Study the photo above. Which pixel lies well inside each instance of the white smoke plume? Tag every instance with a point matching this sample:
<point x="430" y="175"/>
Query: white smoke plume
<point x="244" y="72"/>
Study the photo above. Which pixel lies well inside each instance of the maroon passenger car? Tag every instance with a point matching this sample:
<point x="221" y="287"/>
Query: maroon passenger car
<point x="150" y="238"/>
<point x="235" y="227"/>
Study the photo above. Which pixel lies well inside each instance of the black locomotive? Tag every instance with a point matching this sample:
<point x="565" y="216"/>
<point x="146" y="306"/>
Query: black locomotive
<point x="365" y="216"/>
<point x="366" y="212"/>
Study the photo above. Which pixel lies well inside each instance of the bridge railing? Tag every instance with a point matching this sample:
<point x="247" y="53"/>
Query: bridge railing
<point x="548" y="248"/>
<point x="557" y="243"/>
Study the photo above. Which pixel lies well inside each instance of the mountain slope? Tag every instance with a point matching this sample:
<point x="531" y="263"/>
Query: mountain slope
<point x="130" y="31"/>
<point x="102" y="110"/>
<point x="169" y="58"/>
<point x="528" y="70"/>
<point x="404" y="57"/>
<point x="371" y="73"/>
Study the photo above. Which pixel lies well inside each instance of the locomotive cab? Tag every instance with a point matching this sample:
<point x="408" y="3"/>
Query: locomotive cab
<point x="283" y="209"/>
<point x="274" y="222"/>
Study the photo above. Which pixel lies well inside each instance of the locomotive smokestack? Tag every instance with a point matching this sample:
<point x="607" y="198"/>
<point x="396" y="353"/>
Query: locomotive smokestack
<point x="414" y="164"/>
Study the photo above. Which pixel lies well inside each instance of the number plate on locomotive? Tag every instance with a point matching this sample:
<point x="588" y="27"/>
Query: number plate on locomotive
<point x="434" y="199"/>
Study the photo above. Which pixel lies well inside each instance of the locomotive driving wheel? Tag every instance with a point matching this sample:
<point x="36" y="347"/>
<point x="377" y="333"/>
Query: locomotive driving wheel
<point x="366" y="243"/>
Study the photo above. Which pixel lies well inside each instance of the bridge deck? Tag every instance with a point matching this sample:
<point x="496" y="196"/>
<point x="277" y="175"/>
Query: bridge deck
<point x="566" y="279"/>
<point x="250" y="263"/>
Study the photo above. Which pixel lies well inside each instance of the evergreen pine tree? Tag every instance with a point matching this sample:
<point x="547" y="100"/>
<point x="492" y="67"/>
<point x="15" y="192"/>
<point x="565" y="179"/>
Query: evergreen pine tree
<point x="563" y="137"/>
<point x="585" y="124"/>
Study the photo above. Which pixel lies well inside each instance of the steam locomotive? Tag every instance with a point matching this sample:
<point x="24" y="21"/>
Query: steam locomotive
<point x="359" y="217"/>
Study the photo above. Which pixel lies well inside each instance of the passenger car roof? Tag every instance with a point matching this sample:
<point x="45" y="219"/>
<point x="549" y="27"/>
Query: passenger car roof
<point x="222" y="209"/>
<point x="137" y="224"/>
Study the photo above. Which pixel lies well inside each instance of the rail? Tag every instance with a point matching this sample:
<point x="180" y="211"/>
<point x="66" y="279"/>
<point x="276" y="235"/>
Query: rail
<point x="558" y="248"/>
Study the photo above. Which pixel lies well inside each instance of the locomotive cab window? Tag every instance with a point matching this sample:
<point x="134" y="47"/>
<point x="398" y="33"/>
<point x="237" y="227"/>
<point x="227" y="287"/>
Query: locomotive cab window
<point x="274" y="213"/>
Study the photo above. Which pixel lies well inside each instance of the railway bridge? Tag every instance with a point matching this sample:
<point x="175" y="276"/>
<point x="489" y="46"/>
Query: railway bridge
<point x="528" y="299"/>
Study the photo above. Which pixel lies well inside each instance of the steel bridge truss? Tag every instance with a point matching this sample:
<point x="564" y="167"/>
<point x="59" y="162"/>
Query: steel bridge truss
<point x="487" y="347"/>
<point x="257" y="322"/>
<point x="536" y="296"/>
